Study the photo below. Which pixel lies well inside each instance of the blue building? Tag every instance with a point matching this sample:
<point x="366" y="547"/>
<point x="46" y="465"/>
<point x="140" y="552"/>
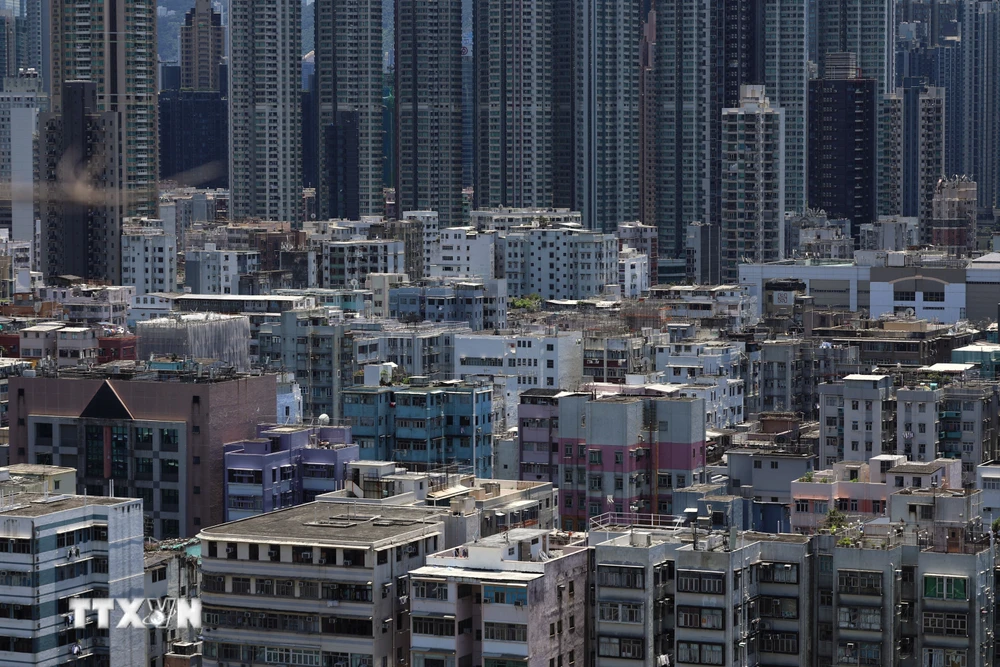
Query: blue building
<point x="285" y="466"/>
<point x="424" y="425"/>
<point x="481" y="303"/>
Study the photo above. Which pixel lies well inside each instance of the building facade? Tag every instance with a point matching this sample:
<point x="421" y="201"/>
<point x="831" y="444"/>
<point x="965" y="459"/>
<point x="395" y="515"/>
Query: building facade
<point x="428" y="90"/>
<point x="113" y="45"/>
<point x="150" y="439"/>
<point x="265" y="116"/>
<point x="753" y="183"/>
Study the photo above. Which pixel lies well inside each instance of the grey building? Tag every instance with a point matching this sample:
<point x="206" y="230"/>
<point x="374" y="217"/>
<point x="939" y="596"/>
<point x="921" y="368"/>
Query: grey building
<point x="606" y="110"/>
<point x="513" y="133"/>
<point x="429" y="108"/>
<point x="265" y="114"/>
<point x="113" y="45"/>
<point x="320" y="584"/>
<point x="349" y="81"/>
<point x="82" y="194"/>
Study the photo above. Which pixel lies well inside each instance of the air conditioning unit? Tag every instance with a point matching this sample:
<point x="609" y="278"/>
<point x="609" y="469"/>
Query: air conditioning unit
<point x="230" y="550"/>
<point x="272" y="552"/>
<point x="487" y="601"/>
<point x="411" y="549"/>
<point x="322" y="561"/>
<point x="518" y="603"/>
<point x="306" y="556"/>
<point x="262" y="615"/>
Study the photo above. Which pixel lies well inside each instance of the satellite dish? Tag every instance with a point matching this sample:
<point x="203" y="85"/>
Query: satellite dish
<point x="324" y="419"/>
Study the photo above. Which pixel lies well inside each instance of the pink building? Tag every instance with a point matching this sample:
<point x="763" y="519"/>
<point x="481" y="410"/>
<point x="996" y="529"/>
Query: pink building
<point x="626" y="453"/>
<point x="860" y="491"/>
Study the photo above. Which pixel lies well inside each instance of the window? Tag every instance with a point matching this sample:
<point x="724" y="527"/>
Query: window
<point x="938" y="623"/>
<point x="431" y="590"/>
<point x="497" y="594"/>
<point x="439" y="627"/>
<point x="945" y="588"/>
<point x="860" y="618"/>
<point x="859" y="582"/>
<point x="703" y="618"/>
<point x="702" y="654"/>
<point x="779" y="607"/>
<point x="944" y="657"/>
<point x="620" y="577"/>
<point x="779" y="573"/>
<point x="690" y="581"/>
<point x="779" y="642"/>
<point x="505" y="632"/>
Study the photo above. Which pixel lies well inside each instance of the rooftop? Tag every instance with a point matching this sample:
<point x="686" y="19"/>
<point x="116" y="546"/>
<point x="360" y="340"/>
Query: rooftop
<point x="37" y="469"/>
<point x="918" y="468"/>
<point x="327" y="523"/>
<point x="40" y="504"/>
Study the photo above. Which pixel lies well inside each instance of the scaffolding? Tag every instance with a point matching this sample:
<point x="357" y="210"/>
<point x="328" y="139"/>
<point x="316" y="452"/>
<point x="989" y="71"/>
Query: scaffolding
<point x="197" y="336"/>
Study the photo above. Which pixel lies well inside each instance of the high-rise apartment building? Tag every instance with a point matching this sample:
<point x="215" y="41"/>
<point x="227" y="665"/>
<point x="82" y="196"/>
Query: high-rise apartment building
<point x="911" y="149"/>
<point x="647" y="124"/>
<point x="203" y="46"/>
<point x="785" y="76"/>
<point x="753" y="183"/>
<point x="348" y="87"/>
<point x="864" y="27"/>
<point x="20" y="102"/>
<point x="429" y="108"/>
<point x="842" y="141"/>
<point x="81" y="199"/>
<point x="975" y="99"/>
<point x="688" y="106"/>
<point x="265" y="115"/>
<point x="194" y="138"/>
<point x="113" y="44"/>
<point x="606" y="111"/>
<point x="513" y="103"/>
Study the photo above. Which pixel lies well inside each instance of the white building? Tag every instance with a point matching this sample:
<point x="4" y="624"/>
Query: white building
<point x="558" y="261"/>
<point x="857" y="419"/>
<point x="215" y="271"/>
<point x="349" y="263"/>
<point x="91" y="304"/>
<point x="730" y="302"/>
<point x="149" y="256"/>
<point x="538" y="360"/>
<point x="633" y="272"/>
<point x="151" y="306"/>
<point x="55" y="549"/>
<point x="518" y="594"/>
<point x="464" y="251"/>
<point x="504" y="220"/>
<point x="841" y="285"/>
